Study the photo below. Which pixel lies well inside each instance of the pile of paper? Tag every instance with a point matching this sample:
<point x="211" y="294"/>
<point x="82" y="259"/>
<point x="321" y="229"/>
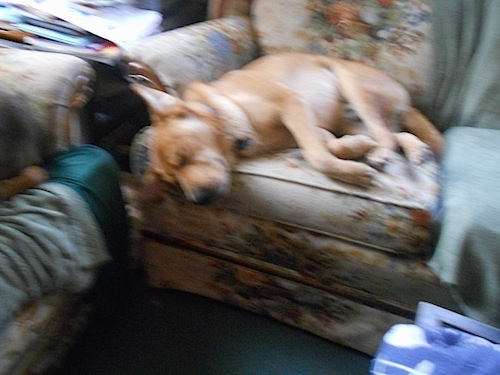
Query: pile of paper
<point x="85" y="28"/>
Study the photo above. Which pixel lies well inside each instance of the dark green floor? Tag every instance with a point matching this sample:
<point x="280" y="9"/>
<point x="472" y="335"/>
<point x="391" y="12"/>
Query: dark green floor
<point x="171" y="332"/>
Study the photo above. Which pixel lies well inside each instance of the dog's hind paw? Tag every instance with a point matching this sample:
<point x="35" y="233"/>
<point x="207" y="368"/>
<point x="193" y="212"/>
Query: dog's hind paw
<point x="420" y="155"/>
<point x="416" y="151"/>
<point x="349" y="171"/>
<point x="379" y="158"/>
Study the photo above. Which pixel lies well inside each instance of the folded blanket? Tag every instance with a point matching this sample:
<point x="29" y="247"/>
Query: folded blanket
<point x="409" y="349"/>
<point x="49" y="239"/>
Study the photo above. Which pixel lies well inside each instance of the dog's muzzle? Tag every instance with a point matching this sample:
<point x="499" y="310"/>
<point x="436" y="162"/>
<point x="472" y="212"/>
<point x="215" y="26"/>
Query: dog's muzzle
<point x="204" y="196"/>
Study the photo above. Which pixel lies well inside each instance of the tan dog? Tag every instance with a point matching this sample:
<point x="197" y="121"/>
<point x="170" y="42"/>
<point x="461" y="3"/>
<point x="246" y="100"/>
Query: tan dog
<point x="282" y="101"/>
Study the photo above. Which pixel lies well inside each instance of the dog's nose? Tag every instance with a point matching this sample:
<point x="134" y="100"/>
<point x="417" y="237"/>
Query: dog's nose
<point x="204" y="196"/>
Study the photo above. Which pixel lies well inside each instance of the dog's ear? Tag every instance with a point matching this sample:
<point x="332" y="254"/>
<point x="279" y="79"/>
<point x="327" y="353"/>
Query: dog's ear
<point x="135" y="71"/>
<point x="236" y="124"/>
<point x="158" y="102"/>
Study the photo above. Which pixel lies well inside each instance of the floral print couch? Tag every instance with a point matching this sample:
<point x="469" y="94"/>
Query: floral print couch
<point x="342" y="262"/>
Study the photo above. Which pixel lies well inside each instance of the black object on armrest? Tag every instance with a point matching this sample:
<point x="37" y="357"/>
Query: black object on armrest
<point x="429" y="316"/>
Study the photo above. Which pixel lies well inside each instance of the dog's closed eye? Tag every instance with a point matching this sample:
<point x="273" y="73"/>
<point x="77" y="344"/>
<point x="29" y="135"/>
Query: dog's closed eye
<point x="182" y="160"/>
<point x="177" y="115"/>
<point x="179" y="160"/>
<point x="243" y="144"/>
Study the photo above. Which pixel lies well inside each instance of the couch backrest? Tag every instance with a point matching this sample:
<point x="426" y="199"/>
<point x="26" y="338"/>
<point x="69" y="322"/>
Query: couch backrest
<point x="393" y="35"/>
<point x="221" y="8"/>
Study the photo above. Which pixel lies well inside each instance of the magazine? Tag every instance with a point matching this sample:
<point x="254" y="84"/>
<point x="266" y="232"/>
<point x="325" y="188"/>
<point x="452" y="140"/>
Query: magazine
<point x="120" y="24"/>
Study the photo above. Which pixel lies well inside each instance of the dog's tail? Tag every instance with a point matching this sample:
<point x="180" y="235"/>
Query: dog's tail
<point x="417" y="124"/>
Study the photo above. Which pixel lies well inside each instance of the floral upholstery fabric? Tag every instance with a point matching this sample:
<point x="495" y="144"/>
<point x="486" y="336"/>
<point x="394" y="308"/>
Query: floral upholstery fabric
<point x="390" y="35"/>
<point x="393" y="35"/>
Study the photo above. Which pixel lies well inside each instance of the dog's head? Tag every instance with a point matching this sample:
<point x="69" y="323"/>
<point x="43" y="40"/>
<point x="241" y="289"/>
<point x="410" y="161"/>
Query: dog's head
<point x="189" y="146"/>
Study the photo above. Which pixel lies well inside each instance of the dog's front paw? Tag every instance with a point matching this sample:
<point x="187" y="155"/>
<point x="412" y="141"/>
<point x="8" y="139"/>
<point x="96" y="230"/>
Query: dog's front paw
<point x="355" y="173"/>
<point x="364" y="176"/>
<point x="351" y="172"/>
<point x="351" y="146"/>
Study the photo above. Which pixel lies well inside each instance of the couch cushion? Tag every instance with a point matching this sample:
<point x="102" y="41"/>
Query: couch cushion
<point x="391" y="35"/>
<point x="393" y="216"/>
<point x="284" y="188"/>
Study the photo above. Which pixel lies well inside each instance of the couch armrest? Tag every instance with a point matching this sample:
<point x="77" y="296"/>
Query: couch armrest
<point x="203" y="51"/>
<point x="50" y="89"/>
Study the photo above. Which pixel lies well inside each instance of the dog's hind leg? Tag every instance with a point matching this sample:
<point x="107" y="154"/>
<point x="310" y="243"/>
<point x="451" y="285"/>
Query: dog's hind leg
<point x="376" y="98"/>
<point x="301" y="122"/>
<point x="373" y="115"/>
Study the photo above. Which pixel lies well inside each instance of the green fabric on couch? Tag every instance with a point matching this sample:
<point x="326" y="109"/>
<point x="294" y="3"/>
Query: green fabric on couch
<point x="466" y="82"/>
<point x="94" y="175"/>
